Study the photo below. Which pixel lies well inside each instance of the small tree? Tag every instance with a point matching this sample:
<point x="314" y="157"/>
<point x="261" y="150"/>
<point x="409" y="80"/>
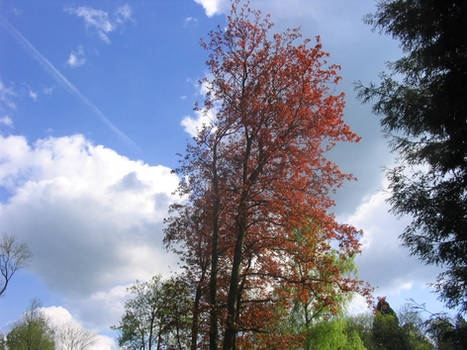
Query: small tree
<point x="157" y="315"/>
<point x="73" y="337"/>
<point x="13" y="256"/>
<point x="32" y="332"/>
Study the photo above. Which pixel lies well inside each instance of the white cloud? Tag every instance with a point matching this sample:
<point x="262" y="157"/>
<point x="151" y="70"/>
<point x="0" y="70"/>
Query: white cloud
<point x="357" y="305"/>
<point x="194" y="125"/>
<point x="212" y="7"/>
<point x="123" y="14"/>
<point x="203" y="118"/>
<point x="6" y="97"/>
<point x="384" y="262"/>
<point x="97" y="19"/>
<point x="76" y="58"/>
<point x="60" y="318"/>
<point x="33" y="95"/>
<point x="109" y="302"/>
<point x="6" y="120"/>
<point x="100" y="20"/>
<point x="191" y="20"/>
<point x="92" y="218"/>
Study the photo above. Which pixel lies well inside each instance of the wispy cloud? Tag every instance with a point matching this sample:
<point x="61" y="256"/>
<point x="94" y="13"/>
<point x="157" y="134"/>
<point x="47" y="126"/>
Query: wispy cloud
<point x="76" y="58"/>
<point x="6" y="120"/>
<point x="100" y="20"/>
<point x="48" y="90"/>
<point x="33" y="95"/>
<point x="123" y="14"/>
<point x="6" y="97"/>
<point x="65" y="83"/>
<point x="97" y="19"/>
<point x="191" y="20"/>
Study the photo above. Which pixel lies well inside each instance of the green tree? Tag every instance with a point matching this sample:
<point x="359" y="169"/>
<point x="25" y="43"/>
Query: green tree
<point x="334" y="334"/>
<point x="447" y="333"/>
<point x="362" y="324"/>
<point x="385" y="330"/>
<point x="310" y="311"/>
<point x="424" y="112"/>
<point x="32" y="332"/>
<point x="156" y="315"/>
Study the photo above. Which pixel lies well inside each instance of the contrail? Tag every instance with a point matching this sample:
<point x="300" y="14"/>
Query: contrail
<point x="61" y="79"/>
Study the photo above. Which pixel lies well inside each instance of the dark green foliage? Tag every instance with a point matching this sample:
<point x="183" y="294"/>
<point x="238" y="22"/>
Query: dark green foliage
<point x="384" y="308"/>
<point x="387" y="334"/>
<point x="32" y="332"/>
<point x="447" y="334"/>
<point x="423" y="104"/>
<point x="384" y="330"/>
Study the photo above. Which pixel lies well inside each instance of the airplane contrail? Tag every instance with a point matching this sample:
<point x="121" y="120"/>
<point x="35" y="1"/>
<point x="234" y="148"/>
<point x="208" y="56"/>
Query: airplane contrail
<point x="61" y="79"/>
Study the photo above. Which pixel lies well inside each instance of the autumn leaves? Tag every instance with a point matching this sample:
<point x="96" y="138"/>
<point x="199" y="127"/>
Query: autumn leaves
<point x="254" y="233"/>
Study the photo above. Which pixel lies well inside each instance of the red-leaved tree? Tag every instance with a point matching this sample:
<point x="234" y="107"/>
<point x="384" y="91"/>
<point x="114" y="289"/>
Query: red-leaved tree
<point x="259" y="182"/>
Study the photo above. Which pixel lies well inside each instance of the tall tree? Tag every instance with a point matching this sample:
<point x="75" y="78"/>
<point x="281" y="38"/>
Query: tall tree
<point x="187" y="234"/>
<point x="259" y="174"/>
<point x="13" y="256"/>
<point x="424" y="111"/>
<point x="140" y="327"/>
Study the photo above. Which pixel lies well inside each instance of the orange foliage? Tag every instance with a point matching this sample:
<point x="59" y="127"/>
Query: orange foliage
<point x="258" y="175"/>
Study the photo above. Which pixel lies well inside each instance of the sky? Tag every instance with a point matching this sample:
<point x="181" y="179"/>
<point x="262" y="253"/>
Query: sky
<point x="96" y="100"/>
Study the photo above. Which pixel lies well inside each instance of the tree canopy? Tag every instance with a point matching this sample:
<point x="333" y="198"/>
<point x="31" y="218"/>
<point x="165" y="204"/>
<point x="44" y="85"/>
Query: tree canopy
<point x="424" y="112"/>
<point x="258" y="183"/>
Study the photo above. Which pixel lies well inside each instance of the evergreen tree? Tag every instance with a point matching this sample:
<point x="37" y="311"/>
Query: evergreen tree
<point x="423" y="106"/>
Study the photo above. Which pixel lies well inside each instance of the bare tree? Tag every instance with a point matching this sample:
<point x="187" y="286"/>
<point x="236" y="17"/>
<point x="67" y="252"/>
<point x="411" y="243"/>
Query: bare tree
<point x="73" y="337"/>
<point x="13" y="256"/>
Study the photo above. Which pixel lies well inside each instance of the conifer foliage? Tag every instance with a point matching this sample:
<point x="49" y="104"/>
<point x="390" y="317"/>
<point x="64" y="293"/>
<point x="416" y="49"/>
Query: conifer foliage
<point x="424" y="111"/>
<point x="258" y="186"/>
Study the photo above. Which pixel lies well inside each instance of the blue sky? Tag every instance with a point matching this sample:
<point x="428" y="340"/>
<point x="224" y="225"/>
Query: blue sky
<point x="96" y="99"/>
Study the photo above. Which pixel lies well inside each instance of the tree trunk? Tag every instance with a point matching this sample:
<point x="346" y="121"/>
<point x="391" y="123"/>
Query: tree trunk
<point x="195" y="324"/>
<point x="232" y="307"/>
<point x="213" y="331"/>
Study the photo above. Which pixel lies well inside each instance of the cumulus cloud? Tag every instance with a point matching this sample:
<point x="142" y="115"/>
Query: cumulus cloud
<point x="6" y="120"/>
<point x="211" y="7"/>
<point x="101" y="21"/>
<point x="76" y="58"/>
<point x="92" y="218"/>
<point x="194" y="125"/>
<point x="64" y="324"/>
<point x="108" y="302"/>
<point x="384" y="262"/>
